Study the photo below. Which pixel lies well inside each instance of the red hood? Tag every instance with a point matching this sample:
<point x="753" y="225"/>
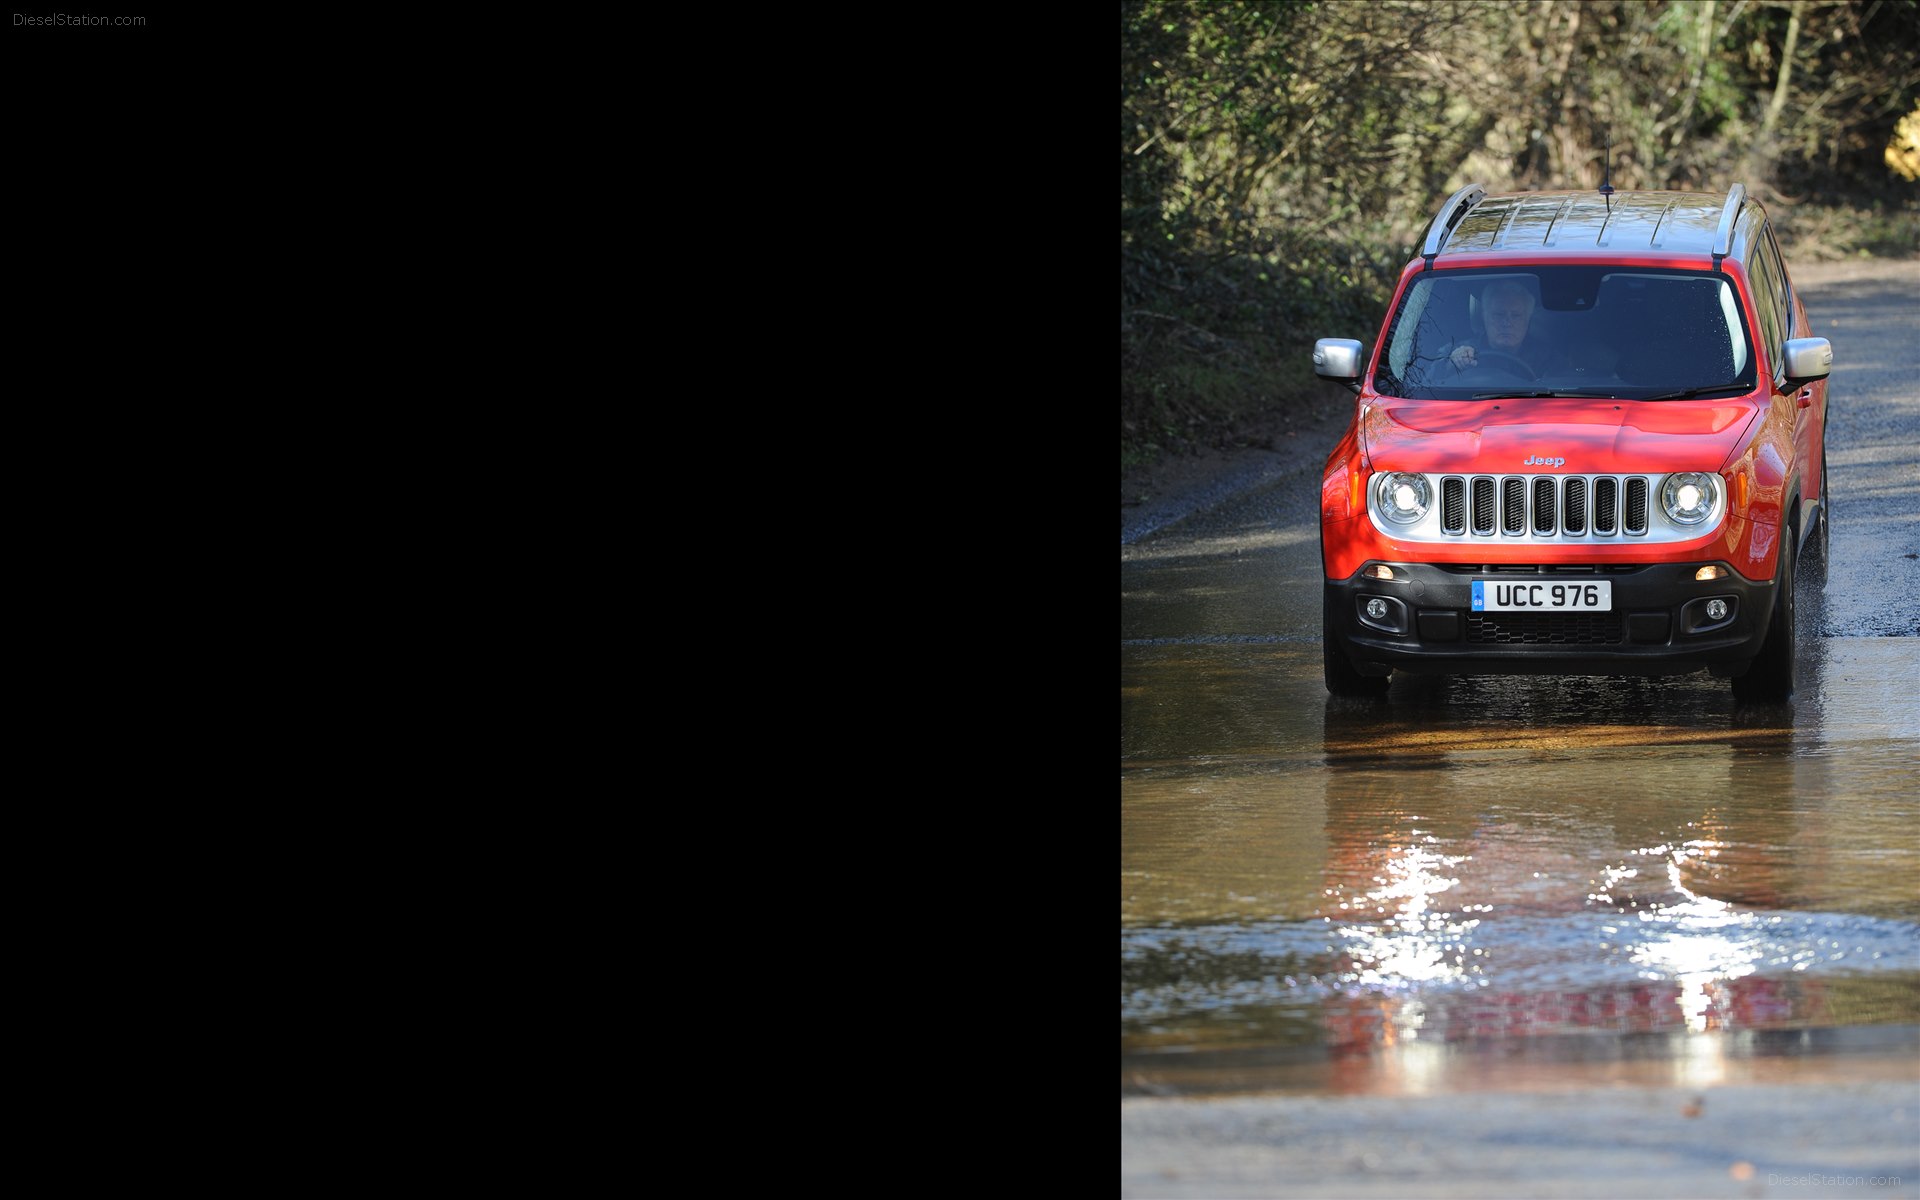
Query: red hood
<point x="1496" y="437"/>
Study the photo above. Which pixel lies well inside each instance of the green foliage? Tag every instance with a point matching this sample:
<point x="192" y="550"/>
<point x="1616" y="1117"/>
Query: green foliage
<point x="1820" y="232"/>
<point x="1279" y="161"/>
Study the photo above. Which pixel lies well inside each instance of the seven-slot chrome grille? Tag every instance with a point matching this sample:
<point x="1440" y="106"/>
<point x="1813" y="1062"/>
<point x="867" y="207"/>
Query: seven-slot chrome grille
<point x="1537" y="508"/>
<point x="1544" y="505"/>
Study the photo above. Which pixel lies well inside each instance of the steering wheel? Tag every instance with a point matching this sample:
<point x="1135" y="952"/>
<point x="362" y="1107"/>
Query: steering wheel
<point x="1507" y="362"/>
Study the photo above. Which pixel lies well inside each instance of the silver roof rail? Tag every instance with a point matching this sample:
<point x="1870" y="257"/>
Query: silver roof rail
<point x="1723" y="236"/>
<point x="1457" y="206"/>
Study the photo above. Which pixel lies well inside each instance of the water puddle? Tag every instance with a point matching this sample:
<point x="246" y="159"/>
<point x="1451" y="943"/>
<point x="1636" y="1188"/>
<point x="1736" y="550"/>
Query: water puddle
<point x="1513" y="879"/>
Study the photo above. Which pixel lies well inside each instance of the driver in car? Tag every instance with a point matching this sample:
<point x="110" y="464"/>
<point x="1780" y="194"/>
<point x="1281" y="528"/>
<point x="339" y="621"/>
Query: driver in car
<point x="1508" y="308"/>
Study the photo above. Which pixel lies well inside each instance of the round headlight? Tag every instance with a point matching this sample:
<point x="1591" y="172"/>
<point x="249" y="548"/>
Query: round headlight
<point x="1689" y="497"/>
<point x="1404" y="498"/>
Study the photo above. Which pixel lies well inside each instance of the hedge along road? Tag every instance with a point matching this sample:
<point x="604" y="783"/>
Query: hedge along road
<point x="1487" y="884"/>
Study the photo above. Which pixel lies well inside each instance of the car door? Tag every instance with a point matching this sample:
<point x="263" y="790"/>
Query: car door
<point x="1810" y="400"/>
<point x="1769" y="304"/>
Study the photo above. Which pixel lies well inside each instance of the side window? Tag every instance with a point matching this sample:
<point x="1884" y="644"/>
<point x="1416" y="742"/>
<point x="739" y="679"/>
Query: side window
<point x="1772" y="254"/>
<point x="1764" y="282"/>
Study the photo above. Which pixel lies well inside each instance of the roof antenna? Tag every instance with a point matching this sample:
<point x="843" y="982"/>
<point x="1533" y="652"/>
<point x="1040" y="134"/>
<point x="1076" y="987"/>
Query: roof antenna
<point x="1606" y="174"/>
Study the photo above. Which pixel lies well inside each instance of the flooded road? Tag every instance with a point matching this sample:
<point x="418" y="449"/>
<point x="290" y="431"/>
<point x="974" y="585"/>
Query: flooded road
<point x="1484" y="876"/>
<point x="1509" y="882"/>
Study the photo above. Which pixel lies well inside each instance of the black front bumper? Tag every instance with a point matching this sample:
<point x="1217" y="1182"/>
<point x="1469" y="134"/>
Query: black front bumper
<point x="1658" y="624"/>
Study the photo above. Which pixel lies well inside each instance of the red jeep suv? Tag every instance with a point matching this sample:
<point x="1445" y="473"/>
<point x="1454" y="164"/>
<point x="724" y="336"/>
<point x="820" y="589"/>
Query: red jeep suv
<point x="1590" y="441"/>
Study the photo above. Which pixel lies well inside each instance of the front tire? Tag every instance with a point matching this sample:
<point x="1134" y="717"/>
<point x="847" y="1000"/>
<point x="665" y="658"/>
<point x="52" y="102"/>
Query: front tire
<point x="1819" y="549"/>
<point x="1342" y="678"/>
<point x="1771" y="675"/>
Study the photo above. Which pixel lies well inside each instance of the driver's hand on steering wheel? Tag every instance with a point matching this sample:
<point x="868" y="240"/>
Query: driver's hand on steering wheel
<point x="1464" y="357"/>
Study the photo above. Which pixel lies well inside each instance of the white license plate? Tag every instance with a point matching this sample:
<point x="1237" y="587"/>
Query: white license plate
<point x="1514" y="595"/>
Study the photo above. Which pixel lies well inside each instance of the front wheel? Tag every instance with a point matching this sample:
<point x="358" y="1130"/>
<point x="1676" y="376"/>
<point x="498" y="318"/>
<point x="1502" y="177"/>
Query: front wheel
<point x="1771" y="675"/>
<point x="1821" y="545"/>
<point x="1342" y="678"/>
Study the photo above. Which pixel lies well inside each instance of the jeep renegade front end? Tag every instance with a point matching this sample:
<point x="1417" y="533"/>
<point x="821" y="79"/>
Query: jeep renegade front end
<point x="1589" y="440"/>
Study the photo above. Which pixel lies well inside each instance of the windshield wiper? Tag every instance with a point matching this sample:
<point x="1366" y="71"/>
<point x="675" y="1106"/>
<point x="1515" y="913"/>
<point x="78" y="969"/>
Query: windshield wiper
<point x="1690" y="393"/>
<point x="1588" y="392"/>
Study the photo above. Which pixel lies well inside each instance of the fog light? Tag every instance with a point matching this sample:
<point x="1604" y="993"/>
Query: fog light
<point x="1377" y="609"/>
<point x="1710" y="573"/>
<point x="1716" y="610"/>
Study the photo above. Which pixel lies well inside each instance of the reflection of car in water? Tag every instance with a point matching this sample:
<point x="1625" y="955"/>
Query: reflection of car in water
<point x="1590" y="440"/>
<point x="1361" y="1024"/>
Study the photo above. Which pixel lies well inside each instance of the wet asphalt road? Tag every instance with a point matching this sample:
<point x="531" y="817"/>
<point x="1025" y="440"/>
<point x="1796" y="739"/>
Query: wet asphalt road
<point x="1488" y="883"/>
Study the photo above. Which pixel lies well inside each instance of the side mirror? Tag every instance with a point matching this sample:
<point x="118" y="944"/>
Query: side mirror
<point x="1339" y="359"/>
<point x="1808" y="359"/>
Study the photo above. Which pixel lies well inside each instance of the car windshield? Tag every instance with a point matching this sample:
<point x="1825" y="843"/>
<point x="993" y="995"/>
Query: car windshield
<point x="1636" y="333"/>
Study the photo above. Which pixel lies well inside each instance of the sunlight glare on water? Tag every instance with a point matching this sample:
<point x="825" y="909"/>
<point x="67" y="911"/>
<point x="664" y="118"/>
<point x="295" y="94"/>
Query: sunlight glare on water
<point x="1452" y="867"/>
